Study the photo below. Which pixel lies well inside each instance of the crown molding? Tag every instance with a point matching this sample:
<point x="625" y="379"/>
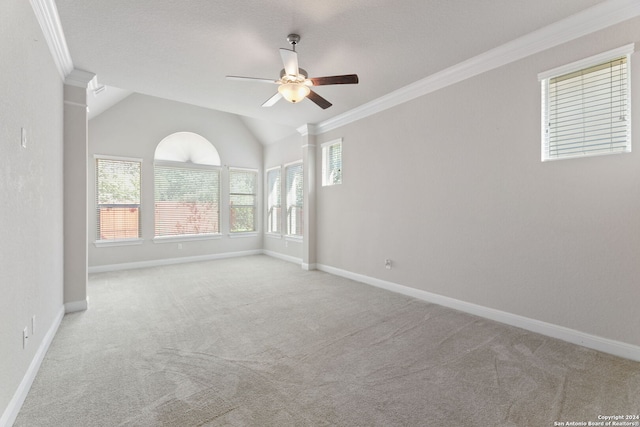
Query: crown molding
<point x="80" y="78"/>
<point x="588" y="21"/>
<point x="47" y="14"/>
<point x="307" y="129"/>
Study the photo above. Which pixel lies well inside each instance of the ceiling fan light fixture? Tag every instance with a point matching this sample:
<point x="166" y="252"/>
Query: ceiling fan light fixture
<point x="294" y="81"/>
<point x="294" y="92"/>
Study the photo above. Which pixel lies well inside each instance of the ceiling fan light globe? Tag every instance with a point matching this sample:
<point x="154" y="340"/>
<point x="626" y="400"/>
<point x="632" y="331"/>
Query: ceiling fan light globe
<point x="293" y="92"/>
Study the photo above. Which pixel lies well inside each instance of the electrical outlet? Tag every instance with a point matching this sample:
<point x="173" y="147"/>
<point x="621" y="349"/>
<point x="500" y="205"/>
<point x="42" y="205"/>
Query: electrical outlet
<point x="25" y="336"/>
<point x="179" y="246"/>
<point x="387" y="264"/>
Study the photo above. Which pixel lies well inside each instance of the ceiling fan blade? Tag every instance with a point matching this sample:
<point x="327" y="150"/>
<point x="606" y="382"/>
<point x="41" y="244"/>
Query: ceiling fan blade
<point x="345" y="79"/>
<point x="290" y="61"/>
<point x="319" y="101"/>
<point x="252" y="79"/>
<point x="275" y="98"/>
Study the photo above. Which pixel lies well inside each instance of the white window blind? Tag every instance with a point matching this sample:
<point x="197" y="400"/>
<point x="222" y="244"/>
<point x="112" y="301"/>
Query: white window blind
<point x="294" y="188"/>
<point x="187" y="200"/>
<point x="587" y="111"/>
<point x="332" y="163"/>
<point x="117" y="199"/>
<point x="274" y="204"/>
<point x="242" y="200"/>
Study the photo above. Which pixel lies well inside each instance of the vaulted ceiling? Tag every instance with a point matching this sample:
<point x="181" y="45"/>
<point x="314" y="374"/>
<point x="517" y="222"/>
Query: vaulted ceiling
<point x="182" y="50"/>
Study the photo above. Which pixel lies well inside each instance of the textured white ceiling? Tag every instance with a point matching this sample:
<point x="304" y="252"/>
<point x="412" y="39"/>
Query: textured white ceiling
<point x="182" y="49"/>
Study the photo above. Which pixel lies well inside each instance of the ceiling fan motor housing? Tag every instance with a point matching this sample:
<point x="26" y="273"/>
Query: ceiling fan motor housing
<point x="293" y="39"/>
<point x="301" y="71"/>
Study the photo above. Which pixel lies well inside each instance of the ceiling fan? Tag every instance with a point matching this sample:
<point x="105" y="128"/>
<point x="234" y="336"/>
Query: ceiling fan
<point x="294" y="83"/>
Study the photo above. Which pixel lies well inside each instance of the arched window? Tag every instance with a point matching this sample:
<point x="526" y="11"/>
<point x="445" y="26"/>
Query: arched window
<point x="187" y="186"/>
<point x="187" y="147"/>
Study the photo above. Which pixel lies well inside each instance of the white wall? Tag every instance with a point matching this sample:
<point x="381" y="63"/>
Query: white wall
<point x="31" y="270"/>
<point x="133" y="128"/>
<point x="450" y="186"/>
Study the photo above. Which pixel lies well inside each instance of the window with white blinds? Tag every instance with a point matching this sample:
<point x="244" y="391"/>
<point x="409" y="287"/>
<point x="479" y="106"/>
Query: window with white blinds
<point x="586" y="107"/>
<point x="242" y="200"/>
<point x="332" y="163"/>
<point x="274" y="204"/>
<point x="117" y="199"/>
<point x="187" y="199"/>
<point x="294" y="195"/>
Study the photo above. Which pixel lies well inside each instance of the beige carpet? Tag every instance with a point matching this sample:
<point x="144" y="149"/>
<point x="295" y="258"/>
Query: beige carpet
<point x="257" y="341"/>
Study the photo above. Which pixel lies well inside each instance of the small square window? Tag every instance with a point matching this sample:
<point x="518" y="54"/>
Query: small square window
<point x="586" y="107"/>
<point x="332" y="163"/>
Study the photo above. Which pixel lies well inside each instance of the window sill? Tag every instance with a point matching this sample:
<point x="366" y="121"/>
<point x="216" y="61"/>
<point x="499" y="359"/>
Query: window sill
<point x="117" y="242"/>
<point x="294" y="238"/>
<point x="273" y="235"/>
<point x="187" y="238"/>
<point x="582" y="156"/>
<point x="239" y="235"/>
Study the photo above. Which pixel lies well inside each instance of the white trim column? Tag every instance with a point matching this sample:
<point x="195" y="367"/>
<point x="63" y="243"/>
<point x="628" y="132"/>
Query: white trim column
<point x="309" y="196"/>
<point x="76" y="151"/>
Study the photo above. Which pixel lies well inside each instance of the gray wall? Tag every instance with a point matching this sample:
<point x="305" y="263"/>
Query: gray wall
<point x="133" y="128"/>
<point x="31" y="270"/>
<point x="450" y="186"/>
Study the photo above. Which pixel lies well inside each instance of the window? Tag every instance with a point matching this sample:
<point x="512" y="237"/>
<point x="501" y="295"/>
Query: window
<point x="332" y="163"/>
<point x="242" y="200"/>
<point x="294" y="180"/>
<point x="187" y="186"/>
<point x="117" y="199"/>
<point x="187" y="200"/>
<point x="586" y="107"/>
<point x="274" y="204"/>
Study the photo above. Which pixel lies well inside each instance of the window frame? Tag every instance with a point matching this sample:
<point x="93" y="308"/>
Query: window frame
<point x="586" y="63"/>
<point x="255" y="173"/>
<point x="286" y="200"/>
<point x="121" y="241"/>
<point x="325" y="150"/>
<point x="268" y="206"/>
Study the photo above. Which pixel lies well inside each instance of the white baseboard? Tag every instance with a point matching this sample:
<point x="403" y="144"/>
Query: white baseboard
<point x="283" y="257"/>
<point x="616" y="348"/>
<point x="74" y="306"/>
<point x="306" y="266"/>
<point x="170" y="261"/>
<point x="11" y="412"/>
